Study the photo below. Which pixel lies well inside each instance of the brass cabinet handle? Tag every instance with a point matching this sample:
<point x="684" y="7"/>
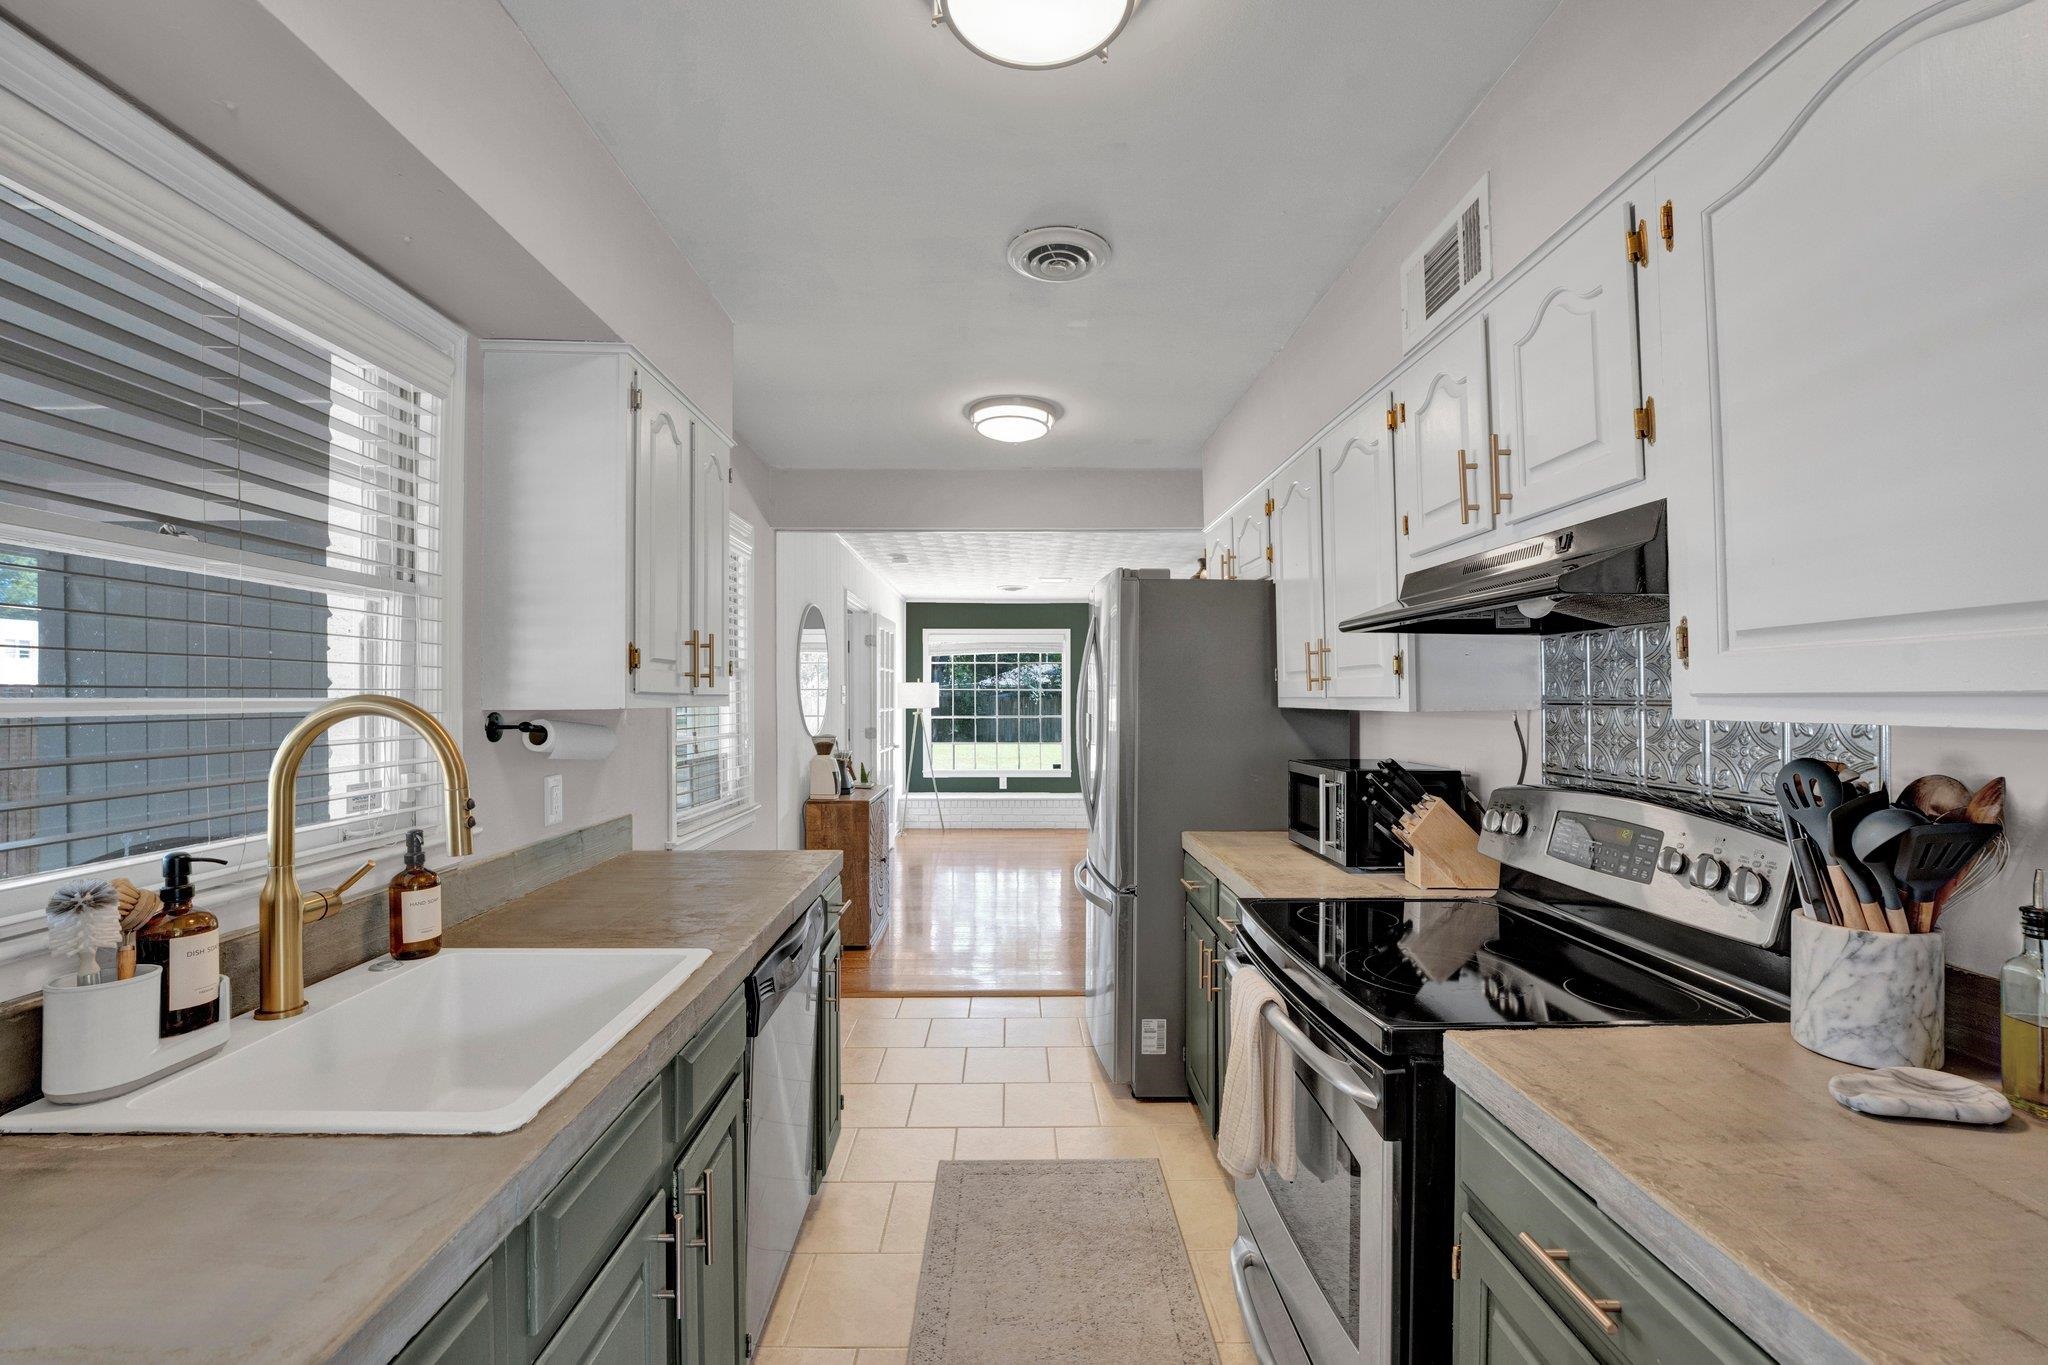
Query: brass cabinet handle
<point x="710" y="658"/>
<point x="691" y="671"/>
<point x="1500" y="453"/>
<point x="1466" y="504"/>
<point x="1214" y="985"/>
<point x="1202" y="958"/>
<point x="1602" y="1311"/>
<point x="1323" y="652"/>
<point x="1192" y="888"/>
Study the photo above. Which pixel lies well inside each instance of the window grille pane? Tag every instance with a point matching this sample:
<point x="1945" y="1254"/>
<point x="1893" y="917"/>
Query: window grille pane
<point x="210" y="522"/>
<point x="1000" y="708"/>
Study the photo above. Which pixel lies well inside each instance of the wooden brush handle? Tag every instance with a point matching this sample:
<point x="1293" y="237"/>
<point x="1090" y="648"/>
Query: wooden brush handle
<point x="1855" y="915"/>
<point x="1922" y="916"/>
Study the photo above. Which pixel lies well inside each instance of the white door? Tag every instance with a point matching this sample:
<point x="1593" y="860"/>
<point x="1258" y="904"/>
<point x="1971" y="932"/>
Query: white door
<point x="1248" y="538"/>
<point x="1566" y="377"/>
<point x="711" y="562"/>
<point x="1443" y="443"/>
<point x="1855" y="313"/>
<point x="1359" y="573"/>
<point x="1297" y="524"/>
<point x="661" y="543"/>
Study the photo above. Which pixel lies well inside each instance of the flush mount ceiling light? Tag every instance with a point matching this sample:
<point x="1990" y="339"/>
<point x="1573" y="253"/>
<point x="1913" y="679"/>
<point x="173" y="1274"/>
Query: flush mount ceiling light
<point x="1013" y="418"/>
<point x="1035" y="35"/>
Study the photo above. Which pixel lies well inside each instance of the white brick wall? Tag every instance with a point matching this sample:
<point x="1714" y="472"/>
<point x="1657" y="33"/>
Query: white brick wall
<point x="996" y="810"/>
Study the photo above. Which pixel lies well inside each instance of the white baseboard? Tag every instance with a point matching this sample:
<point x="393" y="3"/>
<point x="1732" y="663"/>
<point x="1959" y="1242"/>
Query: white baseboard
<point x="996" y="810"/>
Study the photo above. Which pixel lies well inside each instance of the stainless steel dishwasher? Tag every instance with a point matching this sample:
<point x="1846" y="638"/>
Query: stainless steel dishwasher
<point x="782" y="1069"/>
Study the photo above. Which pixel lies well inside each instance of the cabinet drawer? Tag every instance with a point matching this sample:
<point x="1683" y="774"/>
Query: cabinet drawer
<point x="1228" y="911"/>
<point x="464" y="1332"/>
<point x="1200" y="885"/>
<point x="701" y="1069"/>
<point x="582" y="1218"/>
<point x="620" y="1317"/>
<point x="1509" y="1191"/>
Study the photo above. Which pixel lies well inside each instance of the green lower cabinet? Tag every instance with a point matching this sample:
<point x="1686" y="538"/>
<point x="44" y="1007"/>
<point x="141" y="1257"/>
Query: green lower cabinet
<point x="829" y="1100"/>
<point x="1200" y="942"/>
<point x="627" y="1316"/>
<point x="710" y="1195"/>
<point x="1222" y="1030"/>
<point x="470" y="1329"/>
<point x="1500" y="1318"/>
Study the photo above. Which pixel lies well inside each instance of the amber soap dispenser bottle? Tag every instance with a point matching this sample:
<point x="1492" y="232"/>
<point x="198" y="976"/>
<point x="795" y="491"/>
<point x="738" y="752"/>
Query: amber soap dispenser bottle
<point x="184" y="943"/>
<point x="415" y="903"/>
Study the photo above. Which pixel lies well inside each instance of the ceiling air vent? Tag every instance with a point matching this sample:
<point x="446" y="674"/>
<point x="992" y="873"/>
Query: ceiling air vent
<point x="1058" y="255"/>
<point x="1455" y="263"/>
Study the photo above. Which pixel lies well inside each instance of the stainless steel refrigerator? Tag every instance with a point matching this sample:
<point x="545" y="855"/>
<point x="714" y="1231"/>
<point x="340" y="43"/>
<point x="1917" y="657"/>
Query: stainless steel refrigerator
<point x="1178" y="727"/>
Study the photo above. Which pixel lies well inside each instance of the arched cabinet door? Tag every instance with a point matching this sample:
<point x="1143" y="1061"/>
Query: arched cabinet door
<point x="1442" y="445"/>
<point x="661" y="543"/>
<point x="711" y="563"/>
<point x="1852" y="325"/>
<point x="1358" y="555"/>
<point x="1297" y="529"/>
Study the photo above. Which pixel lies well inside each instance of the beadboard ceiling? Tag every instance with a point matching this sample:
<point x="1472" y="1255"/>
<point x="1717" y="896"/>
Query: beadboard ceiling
<point x="845" y="178"/>
<point x="976" y="566"/>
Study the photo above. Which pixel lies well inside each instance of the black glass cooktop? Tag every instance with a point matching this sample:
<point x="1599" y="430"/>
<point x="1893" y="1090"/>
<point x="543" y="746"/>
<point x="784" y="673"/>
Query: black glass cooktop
<point x="1426" y="966"/>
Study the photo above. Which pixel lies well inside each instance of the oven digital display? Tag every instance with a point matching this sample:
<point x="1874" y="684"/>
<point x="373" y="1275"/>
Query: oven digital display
<point x="1609" y="846"/>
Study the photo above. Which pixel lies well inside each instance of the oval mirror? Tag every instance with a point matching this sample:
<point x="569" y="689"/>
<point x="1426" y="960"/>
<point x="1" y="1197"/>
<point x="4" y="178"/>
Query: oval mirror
<point x="813" y="668"/>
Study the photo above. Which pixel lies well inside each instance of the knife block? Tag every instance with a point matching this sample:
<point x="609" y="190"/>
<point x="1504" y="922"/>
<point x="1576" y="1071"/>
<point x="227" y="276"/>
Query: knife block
<point x="1443" y="851"/>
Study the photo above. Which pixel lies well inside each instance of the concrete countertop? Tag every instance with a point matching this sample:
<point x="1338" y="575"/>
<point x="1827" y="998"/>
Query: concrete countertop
<point x="1267" y="865"/>
<point x="207" y="1248"/>
<point x="1824" y="1235"/>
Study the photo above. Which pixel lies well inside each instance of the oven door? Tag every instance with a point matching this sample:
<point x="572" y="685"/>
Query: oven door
<point x="1327" y="1237"/>
<point x="1315" y="810"/>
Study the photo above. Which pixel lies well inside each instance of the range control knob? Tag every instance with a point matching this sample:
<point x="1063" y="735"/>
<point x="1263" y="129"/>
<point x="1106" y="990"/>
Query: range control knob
<point x="1672" y="860"/>
<point x="1490" y="822"/>
<point x="1750" y="887"/>
<point x="1514" y="823"/>
<point x="1709" y="872"/>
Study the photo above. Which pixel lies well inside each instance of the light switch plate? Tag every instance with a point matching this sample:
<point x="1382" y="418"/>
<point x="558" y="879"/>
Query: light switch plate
<point x="551" y="800"/>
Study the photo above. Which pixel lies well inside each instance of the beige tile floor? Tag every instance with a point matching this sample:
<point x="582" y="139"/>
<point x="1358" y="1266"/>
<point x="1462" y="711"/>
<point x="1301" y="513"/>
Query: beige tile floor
<point x="986" y="1078"/>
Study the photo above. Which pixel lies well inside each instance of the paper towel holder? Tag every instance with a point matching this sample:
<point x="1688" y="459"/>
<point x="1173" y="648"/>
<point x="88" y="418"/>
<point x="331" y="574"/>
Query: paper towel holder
<point x="495" y="727"/>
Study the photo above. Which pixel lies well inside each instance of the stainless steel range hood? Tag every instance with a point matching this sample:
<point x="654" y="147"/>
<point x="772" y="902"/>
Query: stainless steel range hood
<point x="1611" y="571"/>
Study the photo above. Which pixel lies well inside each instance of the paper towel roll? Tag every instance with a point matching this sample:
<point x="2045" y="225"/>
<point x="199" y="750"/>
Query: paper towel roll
<point x="569" y="740"/>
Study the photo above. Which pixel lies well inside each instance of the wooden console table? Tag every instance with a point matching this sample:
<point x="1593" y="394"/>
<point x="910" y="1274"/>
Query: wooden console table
<point x="858" y="826"/>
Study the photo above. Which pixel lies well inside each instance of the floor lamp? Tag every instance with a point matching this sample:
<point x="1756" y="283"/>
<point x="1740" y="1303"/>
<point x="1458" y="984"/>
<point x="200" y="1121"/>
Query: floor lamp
<point x="918" y="698"/>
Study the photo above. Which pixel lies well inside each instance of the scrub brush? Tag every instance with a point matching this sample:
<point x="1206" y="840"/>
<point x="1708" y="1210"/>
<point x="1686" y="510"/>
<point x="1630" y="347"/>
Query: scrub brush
<point x="138" y="907"/>
<point x="84" y="917"/>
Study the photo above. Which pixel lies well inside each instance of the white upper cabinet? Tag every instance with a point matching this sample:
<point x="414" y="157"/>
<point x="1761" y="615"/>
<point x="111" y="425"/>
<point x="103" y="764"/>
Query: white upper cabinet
<point x="1566" y="377"/>
<point x="1358" y="555"/>
<point x="1247" y="550"/>
<point x="1441" y="445"/>
<point x="603" y="533"/>
<point x="1297" y="522"/>
<point x="1855" y="323"/>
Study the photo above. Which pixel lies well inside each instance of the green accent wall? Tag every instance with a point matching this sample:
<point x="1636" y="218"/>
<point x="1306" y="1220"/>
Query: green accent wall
<point x="919" y="617"/>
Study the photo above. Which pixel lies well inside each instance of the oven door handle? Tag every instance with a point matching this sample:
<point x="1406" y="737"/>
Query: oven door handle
<point x="1243" y="1253"/>
<point x="1336" y="1073"/>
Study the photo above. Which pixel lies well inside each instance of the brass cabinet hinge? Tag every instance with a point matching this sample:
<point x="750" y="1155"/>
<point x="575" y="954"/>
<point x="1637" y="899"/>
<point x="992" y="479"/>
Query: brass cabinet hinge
<point x="1269" y="554"/>
<point x="1401" y="414"/>
<point x="1393" y="417"/>
<point x="632" y="657"/>
<point x="1400" y="663"/>
<point x="1404" y="523"/>
<point x="1667" y="224"/>
<point x="1457" y="1259"/>
<point x="1646" y="421"/>
<point x="1684" y="639"/>
<point x="1637" y="240"/>
<point x="633" y="395"/>
<point x="1269" y="507"/>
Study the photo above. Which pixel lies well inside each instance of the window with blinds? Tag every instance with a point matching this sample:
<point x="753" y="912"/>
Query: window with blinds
<point x="210" y="522"/>
<point x="714" y="760"/>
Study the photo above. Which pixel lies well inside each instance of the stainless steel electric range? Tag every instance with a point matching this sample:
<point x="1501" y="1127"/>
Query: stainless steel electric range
<point x="1614" y="911"/>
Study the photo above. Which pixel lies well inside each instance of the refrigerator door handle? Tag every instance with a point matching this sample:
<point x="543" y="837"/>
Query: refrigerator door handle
<point x="1088" y="893"/>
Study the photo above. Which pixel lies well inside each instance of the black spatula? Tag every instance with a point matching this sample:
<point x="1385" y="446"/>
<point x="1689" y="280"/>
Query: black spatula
<point x="1931" y="856"/>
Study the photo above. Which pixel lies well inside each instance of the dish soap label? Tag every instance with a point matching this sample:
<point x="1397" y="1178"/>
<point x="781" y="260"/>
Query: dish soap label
<point x="419" y="914"/>
<point x="194" y="970"/>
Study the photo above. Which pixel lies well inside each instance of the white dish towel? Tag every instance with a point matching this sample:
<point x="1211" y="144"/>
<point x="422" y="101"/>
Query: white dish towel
<point x="1256" y="1127"/>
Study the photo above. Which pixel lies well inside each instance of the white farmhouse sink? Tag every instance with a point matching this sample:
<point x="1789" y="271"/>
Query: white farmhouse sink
<point x="467" y="1041"/>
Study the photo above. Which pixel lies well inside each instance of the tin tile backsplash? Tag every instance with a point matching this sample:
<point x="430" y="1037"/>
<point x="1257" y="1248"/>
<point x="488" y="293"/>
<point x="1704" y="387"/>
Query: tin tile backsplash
<point x="1607" y="722"/>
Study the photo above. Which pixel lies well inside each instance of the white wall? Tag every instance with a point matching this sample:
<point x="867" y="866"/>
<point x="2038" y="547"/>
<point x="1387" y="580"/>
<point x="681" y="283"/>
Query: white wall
<point x="1601" y="84"/>
<point x="816" y="567"/>
<point x="1024" y="499"/>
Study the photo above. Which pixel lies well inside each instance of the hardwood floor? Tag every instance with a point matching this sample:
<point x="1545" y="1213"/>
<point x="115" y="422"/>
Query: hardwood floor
<point x="979" y="912"/>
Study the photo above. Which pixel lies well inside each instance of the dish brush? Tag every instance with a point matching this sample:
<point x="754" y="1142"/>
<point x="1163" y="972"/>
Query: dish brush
<point x="139" y="906"/>
<point x="84" y="917"/>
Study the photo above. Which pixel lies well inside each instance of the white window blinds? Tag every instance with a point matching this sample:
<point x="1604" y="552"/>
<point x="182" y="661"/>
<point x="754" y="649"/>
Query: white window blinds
<point x="210" y="522"/>
<point x="714" y="757"/>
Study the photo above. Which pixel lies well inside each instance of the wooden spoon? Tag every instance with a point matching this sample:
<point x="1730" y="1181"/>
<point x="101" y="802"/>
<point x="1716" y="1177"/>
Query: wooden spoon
<point x="1987" y="804"/>
<point x="1935" y="796"/>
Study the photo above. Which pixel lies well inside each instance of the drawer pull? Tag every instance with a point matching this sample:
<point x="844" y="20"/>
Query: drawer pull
<point x="702" y="1190"/>
<point x="1192" y="888"/>
<point x="1602" y="1311"/>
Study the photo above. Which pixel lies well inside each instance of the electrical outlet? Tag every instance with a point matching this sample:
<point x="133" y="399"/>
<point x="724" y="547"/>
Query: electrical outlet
<point x="551" y="800"/>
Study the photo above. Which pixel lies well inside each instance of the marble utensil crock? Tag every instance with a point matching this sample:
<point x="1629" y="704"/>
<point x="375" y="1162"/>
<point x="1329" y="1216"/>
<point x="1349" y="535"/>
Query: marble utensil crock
<point x="1870" y="999"/>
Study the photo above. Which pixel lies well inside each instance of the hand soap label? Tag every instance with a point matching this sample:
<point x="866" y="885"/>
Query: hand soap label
<point x="194" y="970"/>
<point x="419" y="914"/>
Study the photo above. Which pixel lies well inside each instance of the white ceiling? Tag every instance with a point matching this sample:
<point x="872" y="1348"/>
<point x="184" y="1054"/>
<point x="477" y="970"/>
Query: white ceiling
<point x="976" y="566"/>
<point x="845" y="178"/>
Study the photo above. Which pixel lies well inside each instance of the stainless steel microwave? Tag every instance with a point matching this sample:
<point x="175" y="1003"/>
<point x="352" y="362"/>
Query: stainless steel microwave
<point x="1332" y="815"/>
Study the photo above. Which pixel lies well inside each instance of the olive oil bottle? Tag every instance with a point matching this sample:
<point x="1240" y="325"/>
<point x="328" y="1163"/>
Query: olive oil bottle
<point x="415" y="903"/>
<point x="2023" y="1006"/>
<point x="184" y="943"/>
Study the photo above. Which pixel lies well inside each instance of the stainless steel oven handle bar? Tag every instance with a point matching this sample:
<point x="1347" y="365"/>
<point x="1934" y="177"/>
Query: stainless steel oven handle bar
<point x="1242" y="1253"/>
<point x="1335" y="1072"/>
